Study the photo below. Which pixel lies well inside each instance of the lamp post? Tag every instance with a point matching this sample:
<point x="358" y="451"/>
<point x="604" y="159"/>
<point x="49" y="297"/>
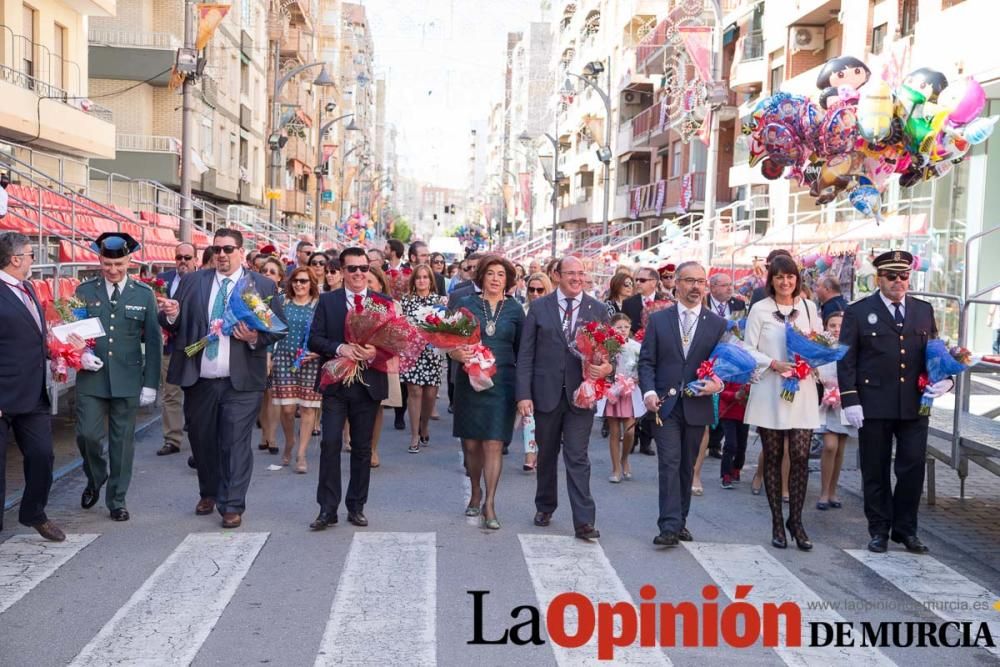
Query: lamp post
<point x="319" y="162"/>
<point x="525" y="138"/>
<point x="343" y="162"/>
<point x="591" y="71"/>
<point x="274" y="140"/>
<point x="712" y="160"/>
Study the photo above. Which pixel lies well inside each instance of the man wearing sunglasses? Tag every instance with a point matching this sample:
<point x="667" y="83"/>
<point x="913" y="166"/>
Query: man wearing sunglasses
<point x="886" y="334"/>
<point x="185" y="256"/>
<point x="356" y="405"/>
<point x="223" y="384"/>
<point x="647" y="281"/>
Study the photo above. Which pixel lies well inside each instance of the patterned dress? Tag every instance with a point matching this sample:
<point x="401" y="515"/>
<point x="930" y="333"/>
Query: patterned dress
<point x="288" y="385"/>
<point x="427" y="372"/>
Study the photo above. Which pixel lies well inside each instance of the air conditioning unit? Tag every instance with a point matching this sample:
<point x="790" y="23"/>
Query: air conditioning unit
<point x="807" y="38"/>
<point x="629" y="97"/>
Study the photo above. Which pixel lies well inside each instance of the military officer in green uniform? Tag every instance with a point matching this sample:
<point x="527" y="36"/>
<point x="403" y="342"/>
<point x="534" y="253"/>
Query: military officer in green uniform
<point x="121" y="373"/>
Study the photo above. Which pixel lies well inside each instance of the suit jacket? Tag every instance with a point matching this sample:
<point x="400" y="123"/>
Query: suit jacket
<point x="168" y="278"/>
<point x="546" y="368"/>
<point x="883" y="365"/>
<point x="130" y="324"/>
<point x="758" y="294"/>
<point x="735" y="306"/>
<point x="462" y="289"/>
<point x="632" y="307"/>
<point x="327" y="334"/>
<point x="23" y="351"/>
<point x="663" y="368"/>
<point x="247" y="366"/>
<point x="439" y="284"/>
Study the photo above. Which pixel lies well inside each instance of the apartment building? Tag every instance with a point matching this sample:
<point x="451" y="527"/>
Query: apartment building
<point x="132" y="52"/>
<point x="44" y="79"/>
<point x="358" y="92"/>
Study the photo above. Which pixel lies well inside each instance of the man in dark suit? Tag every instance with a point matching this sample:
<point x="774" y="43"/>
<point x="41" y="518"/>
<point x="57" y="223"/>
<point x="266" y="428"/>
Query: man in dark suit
<point x="722" y="302"/>
<point x="548" y="373"/>
<point x="887" y="335"/>
<point x="357" y="403"/>
<point x="831" y="299"/>
<point x="223" y="383"/>
<point x="24" y="402"/>
<point x="678" y="339"/>
<point x="646" y="281"/>
<point x="171" y="396"/>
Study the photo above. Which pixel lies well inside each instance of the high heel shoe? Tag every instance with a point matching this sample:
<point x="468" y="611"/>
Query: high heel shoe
<point x="300" y="466"/>
<point x="472" y="510"/>
<point x="801" y="539"/>
<point x="755" y="490"/>
<point x="489" y="524"/>
<point x="778" y="540"/>
<point x="425" y="440"/>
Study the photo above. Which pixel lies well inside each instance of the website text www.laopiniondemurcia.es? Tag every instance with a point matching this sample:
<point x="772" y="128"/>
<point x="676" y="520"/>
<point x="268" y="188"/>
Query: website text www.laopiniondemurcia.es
<point x="572" y="619"/>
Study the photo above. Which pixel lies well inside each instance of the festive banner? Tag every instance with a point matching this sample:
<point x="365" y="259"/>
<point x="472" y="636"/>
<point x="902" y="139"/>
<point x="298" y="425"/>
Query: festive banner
<point x="685" y="192"/>
<point x="636" y="198"/>
<point x="328" y="151"/>
<point x="595" y="125"/>
<point x="508" y="199"/>
<point x="664" y="113"/>
<point x="661" y="195"/>
<point x="705" y="131"/>
<point x="176" y="78"/>
<point x="209" y="18"/>
<point x="524" y="183"/>
<point x="698" y="44"/>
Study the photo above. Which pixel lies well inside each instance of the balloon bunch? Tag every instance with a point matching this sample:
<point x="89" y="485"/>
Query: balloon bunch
<point x="357" y="227"/>
<point x="860" y="132"/>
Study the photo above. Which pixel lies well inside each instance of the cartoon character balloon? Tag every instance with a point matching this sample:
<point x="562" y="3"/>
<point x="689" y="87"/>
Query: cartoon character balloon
<point x="841" y="79"/>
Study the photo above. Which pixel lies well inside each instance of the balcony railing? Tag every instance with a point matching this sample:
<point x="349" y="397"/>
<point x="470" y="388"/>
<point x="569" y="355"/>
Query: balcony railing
<point x="147" y="143"/>
<point x="649" y="121"/>
<point x="39" y="68"/>
<point x="50" y="92"/>
<point x="133" y="39"/>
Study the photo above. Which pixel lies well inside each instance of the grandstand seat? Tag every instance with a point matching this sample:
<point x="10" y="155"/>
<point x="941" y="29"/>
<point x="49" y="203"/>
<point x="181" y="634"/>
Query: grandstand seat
<point x="42" y="290"/>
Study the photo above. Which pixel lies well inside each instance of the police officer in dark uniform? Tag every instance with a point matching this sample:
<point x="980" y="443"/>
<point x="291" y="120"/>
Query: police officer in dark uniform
<point x="887" y="333"/>
<point x="118" y="375"/>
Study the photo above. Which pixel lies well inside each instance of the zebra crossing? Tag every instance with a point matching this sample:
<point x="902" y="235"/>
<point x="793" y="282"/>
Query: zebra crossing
<point x="382" y="613"/>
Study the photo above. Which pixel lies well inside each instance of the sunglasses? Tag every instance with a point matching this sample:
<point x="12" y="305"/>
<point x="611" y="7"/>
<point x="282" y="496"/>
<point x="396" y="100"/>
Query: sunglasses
<point x="536" y="290"/>
<point x="228" y="249"/>
<point x="895" y="275"/>
<point x="317" y="263"/>
<point x="354" y="268"/>
<point x="437" y="261"/>
<point x="468" y="268"/>
<point x="643" y="280"/>
<point x="301" y="281"/>
<point x="669" y="276"/>
<point x="25" y="254"/>
<point x="183" y="258"/>
<point x="627" y="283"/>
<point x="271" y="272"/>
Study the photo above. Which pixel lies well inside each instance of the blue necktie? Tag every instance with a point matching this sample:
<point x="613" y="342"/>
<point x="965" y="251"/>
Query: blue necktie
<point x="218" y="309"/>
<point x="899" y="315"/>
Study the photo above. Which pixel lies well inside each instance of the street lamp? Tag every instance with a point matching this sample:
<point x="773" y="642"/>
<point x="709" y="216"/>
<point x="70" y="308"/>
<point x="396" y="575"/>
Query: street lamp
<point x="323" y="80"/>
<point x="526" y="139"/>
<point x="351" y="127"/>
<point x="343" y="162"/>
<point x="590" y="72"/>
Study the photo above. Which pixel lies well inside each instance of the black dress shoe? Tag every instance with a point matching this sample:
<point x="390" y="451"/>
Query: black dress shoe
<point x="647" y="450"/>
<point x="715" y="453"/>
<point x="912" y="543"/>
<point x="399" y="424"/>
<point x="357" y="518"/>
<point x="506" y="448"/>
<point x="89" y="498"/>
<point x="799" y="535"/>
<point x="685" y="535"/>
<point x="879" y="544"/>
<point x="587" y="532"/>
<point x="323" y="520"/>
<point x="542" y="519"/>
<point x="191" y="463"/>
<point x="605" y="428"/>
<point x="120" y="514"/>
<point x="666" y="539"/>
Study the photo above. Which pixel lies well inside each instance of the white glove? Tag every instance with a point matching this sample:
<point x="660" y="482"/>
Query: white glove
<point x="939" y="389"/>
<point x="90" y="362"/>
<point x="147" y="396"/>
<point x="855" y="416"/>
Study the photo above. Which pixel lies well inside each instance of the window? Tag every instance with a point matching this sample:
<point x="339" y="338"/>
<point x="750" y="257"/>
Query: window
<point x="244" y="77"/>
<point x="28" y="49"/>
<point x="233" y="155"/>
<point x="58" y="56"/>
<point x="676" y="155"/>
<point x="205" y="140"/>
<point x="908" y="17"/>
<point x="777" y="77"/>
<point x="878" y="38"/>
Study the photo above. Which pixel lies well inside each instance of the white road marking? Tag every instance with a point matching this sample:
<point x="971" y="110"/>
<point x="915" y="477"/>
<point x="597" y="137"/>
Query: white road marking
<point x="28" y="560"/>
<point x="559" y="564"/>
<point x="385" y="608"/>
<point x="936" y="587"/>
<point x="732" y="565"/>
<point x="168" y="618"/>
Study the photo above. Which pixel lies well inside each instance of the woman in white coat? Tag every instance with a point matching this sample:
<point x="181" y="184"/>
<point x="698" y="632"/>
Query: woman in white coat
<point x="776" y="419"/>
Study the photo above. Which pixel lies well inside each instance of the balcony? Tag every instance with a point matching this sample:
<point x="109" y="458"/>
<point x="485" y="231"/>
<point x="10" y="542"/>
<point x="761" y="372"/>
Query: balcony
<point x="293" y="202"/>
<point x="577" y="212"/>
<point x="296" y="43"/>
<point x="749" y="70"/>
<point x="650" y="127"/>
<point x="297" y="148"/>
<point x="145" y="156"/>
<point x="127" y="55"/>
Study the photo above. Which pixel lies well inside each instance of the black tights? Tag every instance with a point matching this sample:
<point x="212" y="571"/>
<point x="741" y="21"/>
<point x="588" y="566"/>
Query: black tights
<point x="772" y="442"/>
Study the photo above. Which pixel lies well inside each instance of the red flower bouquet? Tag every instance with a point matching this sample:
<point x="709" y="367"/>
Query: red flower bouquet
<point x="447" y="331"/>
<point x="376" y="324"/>
<point x="158" y="285"/>
<point x="399" y="281"/>
<point x="595" y="344"/>
<point x="658" y="304"/>
<point x="63" y="356"/>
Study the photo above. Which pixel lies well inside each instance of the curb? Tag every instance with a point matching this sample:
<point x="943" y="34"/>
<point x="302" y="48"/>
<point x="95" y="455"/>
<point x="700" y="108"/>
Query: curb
<point x="15" y="500"/>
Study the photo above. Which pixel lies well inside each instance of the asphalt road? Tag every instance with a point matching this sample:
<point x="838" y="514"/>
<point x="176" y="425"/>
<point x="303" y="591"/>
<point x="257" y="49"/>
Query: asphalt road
<point x="169" y="587"/>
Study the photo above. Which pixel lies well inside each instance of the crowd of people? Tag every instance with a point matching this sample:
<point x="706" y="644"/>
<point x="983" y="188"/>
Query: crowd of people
<point x="670" y="317"/>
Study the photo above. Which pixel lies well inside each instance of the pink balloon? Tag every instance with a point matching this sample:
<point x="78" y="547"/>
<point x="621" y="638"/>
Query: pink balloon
<point x="966" y="99"/>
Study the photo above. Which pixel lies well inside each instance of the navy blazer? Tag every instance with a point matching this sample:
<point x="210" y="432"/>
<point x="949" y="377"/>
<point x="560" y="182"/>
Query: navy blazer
<point x="247" y="366"/>
<point x="327" y="334"/>
<point x="168" y="278"/>
<point x="664" y="369"/>
<point x="546" y="367"/>
<point x="23" y="352"/>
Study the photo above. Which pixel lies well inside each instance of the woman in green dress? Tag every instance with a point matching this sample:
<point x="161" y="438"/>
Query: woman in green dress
<point x="484" y="420"/>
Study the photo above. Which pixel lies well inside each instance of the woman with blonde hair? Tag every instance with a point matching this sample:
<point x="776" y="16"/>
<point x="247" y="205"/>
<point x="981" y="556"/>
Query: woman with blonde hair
<point x="422" y="381"/>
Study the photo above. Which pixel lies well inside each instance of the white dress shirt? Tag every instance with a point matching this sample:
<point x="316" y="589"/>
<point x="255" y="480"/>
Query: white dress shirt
<point x="892" y="309"/>
<point x="349" y="295"/>
<point x="714" y="306"/>
<point x="16" y="287"/>
<point x="3" y="202"/>
<point x="219" y="367"/>
<point x="174" y="284"/>
<point x="693" y="323"/>
<point x="110" y="286"/>
<point x="562" y="300"/>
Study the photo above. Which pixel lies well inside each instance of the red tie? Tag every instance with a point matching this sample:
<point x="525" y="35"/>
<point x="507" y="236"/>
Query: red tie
<point x="357" y="303"/>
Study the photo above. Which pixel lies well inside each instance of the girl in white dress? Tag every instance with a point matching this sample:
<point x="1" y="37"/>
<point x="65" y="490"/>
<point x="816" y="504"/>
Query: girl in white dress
<point x="835" y="431"/>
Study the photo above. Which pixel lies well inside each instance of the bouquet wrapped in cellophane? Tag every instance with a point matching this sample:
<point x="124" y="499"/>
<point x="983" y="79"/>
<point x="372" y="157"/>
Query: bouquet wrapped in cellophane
<point x="376" y="324"/>
<point x="64" y="356"/>
<point x="942" y="362"/>
<point x="246" y="306"/>
<point x="728" y="362"/>
<point x="399" y="281"/>
<point x="658" y="304"/>
<point x="806" y="352"/>
<point x="447" y="331"/>
<point x="595" y="343"/>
